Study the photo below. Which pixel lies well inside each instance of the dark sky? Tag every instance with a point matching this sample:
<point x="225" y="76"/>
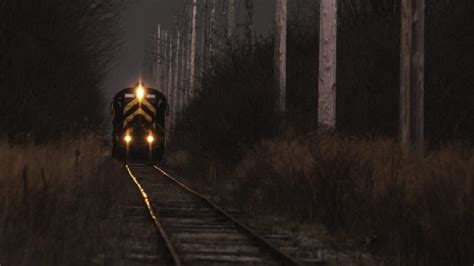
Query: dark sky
<point x="141" y="20"/>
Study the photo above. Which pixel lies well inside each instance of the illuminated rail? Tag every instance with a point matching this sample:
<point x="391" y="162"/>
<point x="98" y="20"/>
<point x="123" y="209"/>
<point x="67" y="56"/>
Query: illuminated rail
<point x="260" y="248"/>
<point x="155" y="219"/>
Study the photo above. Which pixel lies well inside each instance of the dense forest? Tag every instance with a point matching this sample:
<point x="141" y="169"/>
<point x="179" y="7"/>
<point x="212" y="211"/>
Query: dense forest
<point x="53" y="60"/>
<point x="355" y="182"/>
<point x="240" y="85"/>
<point x="54" y="56"/>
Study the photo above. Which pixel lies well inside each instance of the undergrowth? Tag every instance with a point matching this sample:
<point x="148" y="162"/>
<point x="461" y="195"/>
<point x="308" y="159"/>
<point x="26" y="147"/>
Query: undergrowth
<point x="56" y="202"/>
<point x="407" y="210"/>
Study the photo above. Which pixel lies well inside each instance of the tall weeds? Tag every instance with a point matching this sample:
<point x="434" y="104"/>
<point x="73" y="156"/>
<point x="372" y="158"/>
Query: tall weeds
<point x="416" y="211"/>
<point x="55" y="202"/>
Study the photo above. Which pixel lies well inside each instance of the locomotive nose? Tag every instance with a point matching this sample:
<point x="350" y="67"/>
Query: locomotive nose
<point x="140" y="121"/>
<point x="142" y="130"/>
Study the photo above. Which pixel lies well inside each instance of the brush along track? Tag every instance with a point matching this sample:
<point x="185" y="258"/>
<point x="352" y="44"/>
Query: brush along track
<point x="195" y="230"/>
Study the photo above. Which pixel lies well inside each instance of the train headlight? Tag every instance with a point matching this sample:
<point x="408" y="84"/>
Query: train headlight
<point x="140" y="92"/>
<point x="127" y="138"/>
<point x="150" y="139"/>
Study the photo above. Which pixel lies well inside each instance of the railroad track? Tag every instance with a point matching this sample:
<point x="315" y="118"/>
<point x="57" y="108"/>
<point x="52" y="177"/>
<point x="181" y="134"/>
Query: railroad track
<point x="194" y="229"/>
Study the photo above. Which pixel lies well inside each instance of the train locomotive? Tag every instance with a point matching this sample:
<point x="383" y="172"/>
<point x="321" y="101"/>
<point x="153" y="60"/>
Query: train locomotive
<point x="139" y="115"/>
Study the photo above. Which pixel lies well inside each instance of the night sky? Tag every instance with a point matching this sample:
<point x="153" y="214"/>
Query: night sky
<point x="139" y="23"/>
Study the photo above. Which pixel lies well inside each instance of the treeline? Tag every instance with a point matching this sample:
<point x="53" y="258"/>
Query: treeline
<point x="235" y="107"/>
<point x="356" y="183"/>
<point x="53" y="58"/>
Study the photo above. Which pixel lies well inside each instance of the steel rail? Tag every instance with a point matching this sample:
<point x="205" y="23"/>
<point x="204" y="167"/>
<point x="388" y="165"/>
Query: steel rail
<point x="284" y="257"/>
<point x="154" y="216"/>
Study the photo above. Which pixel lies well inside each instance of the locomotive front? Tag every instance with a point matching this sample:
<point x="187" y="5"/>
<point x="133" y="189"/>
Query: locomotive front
<point x="139" y="122"/>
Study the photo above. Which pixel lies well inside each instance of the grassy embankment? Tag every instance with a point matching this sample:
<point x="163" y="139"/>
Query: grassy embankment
<point x="57" y="203"/>
<point x="358" y="192"/>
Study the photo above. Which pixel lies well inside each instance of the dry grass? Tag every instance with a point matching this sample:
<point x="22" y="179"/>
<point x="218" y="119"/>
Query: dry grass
<point x="417" y="211"/>
<point x="56" y="202"/>
<point x="410" y="211"/>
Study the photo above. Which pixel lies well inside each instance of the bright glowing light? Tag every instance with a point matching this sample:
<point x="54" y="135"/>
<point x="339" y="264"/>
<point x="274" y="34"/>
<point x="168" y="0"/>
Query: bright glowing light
<point x="140" y="92"/>
<point x="150" y="139"/>
<point x="127" y="138"/>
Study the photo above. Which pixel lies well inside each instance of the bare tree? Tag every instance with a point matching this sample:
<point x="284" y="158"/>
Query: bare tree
<point x="177" y="58"/>
<point x="157" y="51"/>
<point x="170" y="66"/>
<point x="192" y="70"/>
<point x="165" y="63"/>
<point x="231" y="18"/>
<point x="412" y="75"/>
<point x="222" y="27"/>
<point x="279" y="59"/>
<point x="182" y="59"/>
<point x="204" y="18"/>
<point x="212" y="30"/>
<point x="177" y="91"/>
<point x="249" y="30"/>
<point x="327" y="64"/>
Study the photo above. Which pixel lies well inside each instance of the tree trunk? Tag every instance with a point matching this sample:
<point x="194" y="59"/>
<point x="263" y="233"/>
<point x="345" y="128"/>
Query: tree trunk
<point x="203" y="43"/>
<point x="177" y="67"/>
<point x="176" y="93"/>
<point x="231" y="19"/>
<point x="222" y="29"/>
<point x="327" y="64"/>
<point x="158" y="59"/>
<point x="192" y="71"/>
<point x="182" y="81"/>
<point x="249" y="30"/>
<point x="165" y="64"/>
<point x="412" y="76"/>
<point x="170" y="70"/>
<point x="212" y="33"/>
<point x="187" y="56"/>
<point x="279" y="59"/>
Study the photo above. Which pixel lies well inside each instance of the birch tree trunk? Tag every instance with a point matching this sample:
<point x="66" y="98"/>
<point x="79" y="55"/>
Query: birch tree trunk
<point x="212" y="30"/>
<point x="249" y="30"/>
<point x="177" y="53"/>
<point x="178" y="61"/>
<point x="170" y="70"/>
<point x="165" y="63"/>
<point x="412" y="76"/>
<point x="231" y="19"/>
<point x="203" y="43"/>
<point x="188" y="55"/>
<point x="183" y="67"/>
<point x="186" y="52"/>
<point x="327" y="64"/>
<point x="192" y="72"/>
<point x="158" y="55"/>
<point x="279" y="59"/>
<point x="176" y="71"/>
<point x="222" y="27"/>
